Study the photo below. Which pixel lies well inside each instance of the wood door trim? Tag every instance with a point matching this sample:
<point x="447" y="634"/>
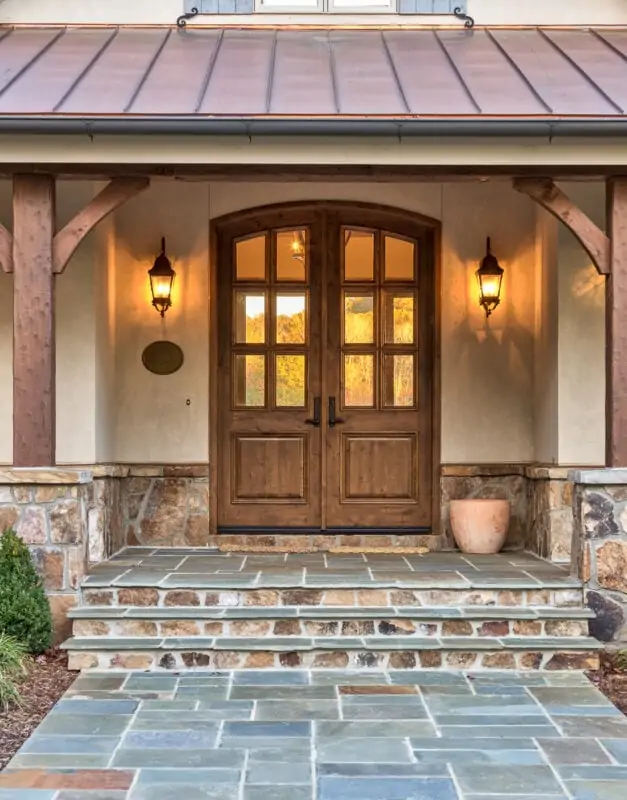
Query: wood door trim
<point x="250" y="220"/>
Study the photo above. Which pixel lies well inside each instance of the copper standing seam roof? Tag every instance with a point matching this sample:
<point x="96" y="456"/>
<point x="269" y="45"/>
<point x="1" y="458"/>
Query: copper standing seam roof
<point x="211" y="74"/>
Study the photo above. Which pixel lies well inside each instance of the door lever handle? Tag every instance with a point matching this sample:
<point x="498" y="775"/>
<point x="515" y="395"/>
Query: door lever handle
<point x="315" y="420"/>
<point x="333" y="420"/>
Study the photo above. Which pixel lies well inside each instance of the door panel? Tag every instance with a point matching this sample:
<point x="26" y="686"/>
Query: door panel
<point x="269" y="375"/>
<point x="379" y="351"/>
<point x="325" y="371"/>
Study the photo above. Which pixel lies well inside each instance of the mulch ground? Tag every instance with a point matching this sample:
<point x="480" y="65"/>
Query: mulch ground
<point x="612" y="681"/>
<point x="47" y="680"/>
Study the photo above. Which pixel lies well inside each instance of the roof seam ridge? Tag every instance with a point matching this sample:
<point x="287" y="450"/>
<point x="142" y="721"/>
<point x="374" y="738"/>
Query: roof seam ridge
<point x="207" y="79"/>
<point x="33" y="60"/>
<point x="87" y="69"/>
<point x="397" y="78"/>
<point x="581" y="71"/>
<point x="518" y="70"/>
<point x="146" y="74"/>
<point x="457" y="71"/>
<point x="271" y="70"/>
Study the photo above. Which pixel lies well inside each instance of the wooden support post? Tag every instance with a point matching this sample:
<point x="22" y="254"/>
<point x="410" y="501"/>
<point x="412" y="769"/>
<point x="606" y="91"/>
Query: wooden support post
<point x="616" y="326"/>
<point x="33" y="321"/>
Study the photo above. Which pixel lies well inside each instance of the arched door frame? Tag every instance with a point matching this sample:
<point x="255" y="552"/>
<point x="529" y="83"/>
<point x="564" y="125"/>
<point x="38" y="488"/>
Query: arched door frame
<point x="248" y="221"/>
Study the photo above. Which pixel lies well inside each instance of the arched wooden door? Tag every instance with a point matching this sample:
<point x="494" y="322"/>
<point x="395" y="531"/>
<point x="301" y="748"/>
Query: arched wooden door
<point x="325" y="375"/>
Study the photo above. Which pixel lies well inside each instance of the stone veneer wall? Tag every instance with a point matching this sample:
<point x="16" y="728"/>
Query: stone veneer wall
<point x="49" y="509"/>
<point x="541" y="501"/>
<point x="599" y="555"/>
<point x="166" y="506"/>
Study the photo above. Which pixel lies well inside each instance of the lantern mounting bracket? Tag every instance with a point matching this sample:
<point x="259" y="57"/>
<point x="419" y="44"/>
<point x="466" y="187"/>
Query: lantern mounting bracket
<point x="469" y="22"/>
<point x="181" y="22"/>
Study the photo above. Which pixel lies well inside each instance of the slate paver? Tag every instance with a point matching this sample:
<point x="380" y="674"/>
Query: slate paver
<point x="336" y="735"/>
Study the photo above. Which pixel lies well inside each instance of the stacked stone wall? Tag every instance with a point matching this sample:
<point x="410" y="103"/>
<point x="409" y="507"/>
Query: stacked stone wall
<point x="599" y="555"/>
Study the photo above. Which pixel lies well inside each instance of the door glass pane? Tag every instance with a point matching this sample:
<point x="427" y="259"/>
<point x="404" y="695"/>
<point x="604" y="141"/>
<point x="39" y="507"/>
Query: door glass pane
<point x="291" y="255"/>
<point x="399" y="259"/>
<point x="399" y="318"/>
<point x="290" y="380"/>
<point x="358" y="255"/>
<point x="250" y="259"/>
<point x="250" y="380"/>
<point x="398" y="379"/>
<point x="250" y="317"/>
<point x="358" y="379"/>
<point x="358" y="318"/>
<point x="291" y="318"/>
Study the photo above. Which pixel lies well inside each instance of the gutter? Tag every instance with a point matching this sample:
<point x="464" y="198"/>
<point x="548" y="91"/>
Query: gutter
<point x="315" y="126"/>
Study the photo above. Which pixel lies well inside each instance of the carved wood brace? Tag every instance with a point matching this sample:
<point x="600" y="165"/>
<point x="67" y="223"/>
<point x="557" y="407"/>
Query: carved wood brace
<point x="594" y="241"/>
<point x="115" y="194"/>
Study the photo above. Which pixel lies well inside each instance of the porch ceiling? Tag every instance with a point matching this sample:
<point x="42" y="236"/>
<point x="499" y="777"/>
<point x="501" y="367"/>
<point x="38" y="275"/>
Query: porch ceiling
<point x="209" y="74"/>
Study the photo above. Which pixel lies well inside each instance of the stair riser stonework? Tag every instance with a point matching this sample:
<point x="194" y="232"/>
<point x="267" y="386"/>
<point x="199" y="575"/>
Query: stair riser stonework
<point x="329" y="628"/>
<point x="354" y="597"/>
<point x="181" y="660"/>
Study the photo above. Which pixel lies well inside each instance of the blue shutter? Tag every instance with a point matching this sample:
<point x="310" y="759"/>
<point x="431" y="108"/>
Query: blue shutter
<point x="221" y="6"/>
<point x="430" y="6"/>
<point x="248" y="6"/>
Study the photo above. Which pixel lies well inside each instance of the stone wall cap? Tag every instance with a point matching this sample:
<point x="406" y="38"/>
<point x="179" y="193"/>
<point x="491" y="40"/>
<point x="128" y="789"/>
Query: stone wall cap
<point x="481" y="470"/>
<point x="598" y="477"/>
<point x="44" y="475"/>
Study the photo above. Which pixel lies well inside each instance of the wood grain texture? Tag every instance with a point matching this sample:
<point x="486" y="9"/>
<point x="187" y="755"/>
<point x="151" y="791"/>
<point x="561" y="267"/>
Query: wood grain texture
<point x="111" y="197"/>
<point x="33" y="321"/>
<point x="6" y="249"/>
<point x="593" y="240"/>
<point x="616" y="326"/>
<point x="376" y="469"/>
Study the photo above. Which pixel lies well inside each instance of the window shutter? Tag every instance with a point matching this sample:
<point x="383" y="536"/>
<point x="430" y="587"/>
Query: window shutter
<point x="430" y="6"/>
<point x="248" y="6"/>
<point x="221" y="6"/>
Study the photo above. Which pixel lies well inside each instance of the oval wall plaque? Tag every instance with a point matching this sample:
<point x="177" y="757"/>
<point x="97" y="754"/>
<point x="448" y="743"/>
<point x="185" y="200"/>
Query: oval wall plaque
<point x="163" y="358"/>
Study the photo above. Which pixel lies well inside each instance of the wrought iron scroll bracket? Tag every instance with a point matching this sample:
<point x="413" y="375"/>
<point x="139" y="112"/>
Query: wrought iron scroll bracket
<point x="181" y="22"/>
<point x="469" y="22"/>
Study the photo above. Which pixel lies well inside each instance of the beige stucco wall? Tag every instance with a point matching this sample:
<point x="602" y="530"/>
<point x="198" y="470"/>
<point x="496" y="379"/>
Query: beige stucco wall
<point x="516" y="388"/>
<point x="485" y="12"/>
<point x="581" y="319"/>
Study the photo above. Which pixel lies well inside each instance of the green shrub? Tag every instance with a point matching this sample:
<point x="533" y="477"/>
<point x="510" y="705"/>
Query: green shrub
<point x="13" y="659"/>
<point x="24" y="609"/>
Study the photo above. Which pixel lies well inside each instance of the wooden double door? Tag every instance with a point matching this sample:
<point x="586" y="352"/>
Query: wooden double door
<point x="325" y="368"/>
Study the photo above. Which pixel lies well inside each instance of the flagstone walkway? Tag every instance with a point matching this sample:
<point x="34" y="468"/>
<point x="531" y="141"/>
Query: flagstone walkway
<point x="298" y="735"/>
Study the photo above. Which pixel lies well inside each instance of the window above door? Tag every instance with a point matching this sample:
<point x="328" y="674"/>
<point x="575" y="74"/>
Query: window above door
<point x="339" y="7"/>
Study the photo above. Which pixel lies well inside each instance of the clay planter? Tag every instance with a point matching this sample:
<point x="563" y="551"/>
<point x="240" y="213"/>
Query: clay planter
<point x="480" y="526"/>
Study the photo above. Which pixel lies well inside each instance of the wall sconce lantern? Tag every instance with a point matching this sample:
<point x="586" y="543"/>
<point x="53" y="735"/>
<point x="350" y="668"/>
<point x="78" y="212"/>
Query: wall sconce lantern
<point x="161" y="281"/>
<point x="490" y="276"/>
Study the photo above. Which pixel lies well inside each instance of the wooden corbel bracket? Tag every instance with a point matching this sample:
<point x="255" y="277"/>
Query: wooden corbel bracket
<point x="593" y="240"/>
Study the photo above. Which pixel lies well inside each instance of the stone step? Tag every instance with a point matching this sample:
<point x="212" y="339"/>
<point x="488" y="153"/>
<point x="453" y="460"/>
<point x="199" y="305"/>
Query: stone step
<point x="328" y="612"/>
<point x="369" y="652"/>
<point x="256" y="622"/>
<point x="566" y="593"/>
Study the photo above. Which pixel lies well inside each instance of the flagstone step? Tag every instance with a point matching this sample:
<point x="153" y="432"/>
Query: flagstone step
<point x="501" y="622"/>
<point x="192" y="653"/>
<point x="404" y="593"/>
<point x="171" y="610"/>
<point x="328" y="612"/>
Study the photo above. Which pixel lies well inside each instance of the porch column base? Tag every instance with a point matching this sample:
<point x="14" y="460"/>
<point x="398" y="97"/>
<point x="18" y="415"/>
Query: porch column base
<point x="599" y="552"/>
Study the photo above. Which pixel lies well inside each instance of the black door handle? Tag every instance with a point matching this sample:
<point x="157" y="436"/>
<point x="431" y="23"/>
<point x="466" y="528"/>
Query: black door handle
<point x="315" y="420"/>
<point x="333" y="420"/>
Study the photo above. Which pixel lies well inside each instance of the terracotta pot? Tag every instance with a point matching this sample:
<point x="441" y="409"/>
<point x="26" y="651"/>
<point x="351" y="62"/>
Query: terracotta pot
<point x="480" y="526"/>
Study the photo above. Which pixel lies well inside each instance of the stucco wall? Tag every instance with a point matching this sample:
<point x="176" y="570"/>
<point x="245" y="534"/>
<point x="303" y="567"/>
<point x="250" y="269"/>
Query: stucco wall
<point x="581" y="320"/>
<point x="486" y="12"/>
<point x="514" y="389"/>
